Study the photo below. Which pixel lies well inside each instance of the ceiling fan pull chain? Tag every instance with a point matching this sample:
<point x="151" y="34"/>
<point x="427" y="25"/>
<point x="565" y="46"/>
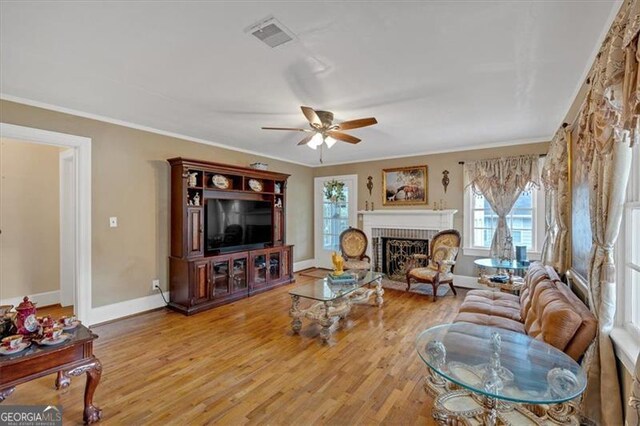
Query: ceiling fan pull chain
<point x="321" y="153"/>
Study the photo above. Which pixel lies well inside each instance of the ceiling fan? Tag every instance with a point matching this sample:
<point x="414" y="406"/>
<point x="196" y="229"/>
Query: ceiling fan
<point x="324" y="131"/>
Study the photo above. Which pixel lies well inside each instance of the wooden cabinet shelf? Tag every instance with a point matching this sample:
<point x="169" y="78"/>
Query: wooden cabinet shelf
<point x="200" y="281"/>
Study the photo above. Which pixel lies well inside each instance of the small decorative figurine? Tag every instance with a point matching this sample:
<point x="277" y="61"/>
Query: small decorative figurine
<point x="366" y="206"/>
<point x="278" y="202"/>
<point x="26" y="320"/>
<point x="338" y="264"/>
<point x="192" y="180"/>
<point x="276" y="188"/>
<point x="196" y="200"/>
<point x="445" y="180"/>
<point x="370" y="184"/>
<point x="372" y="206"/>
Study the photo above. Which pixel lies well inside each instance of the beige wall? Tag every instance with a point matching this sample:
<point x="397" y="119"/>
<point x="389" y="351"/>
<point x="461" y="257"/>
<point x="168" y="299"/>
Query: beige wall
<point x="30" y="219"/>
<point x="436" y="164"/>
<point x="130" y="180"/>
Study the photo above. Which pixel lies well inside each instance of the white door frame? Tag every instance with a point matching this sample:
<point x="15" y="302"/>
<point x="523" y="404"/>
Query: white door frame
<point x="317" y="198"/>
<point x="82" y="147"/>
<point x="68" y="209"/>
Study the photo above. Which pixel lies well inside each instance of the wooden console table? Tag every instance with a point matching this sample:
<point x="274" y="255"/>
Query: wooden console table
<point x="71" y="358"/>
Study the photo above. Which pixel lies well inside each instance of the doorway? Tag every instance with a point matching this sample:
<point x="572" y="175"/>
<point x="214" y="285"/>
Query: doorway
<point x="333" y="214"/>
<point x="37" y="216"/>
<point x="73" y="161"/>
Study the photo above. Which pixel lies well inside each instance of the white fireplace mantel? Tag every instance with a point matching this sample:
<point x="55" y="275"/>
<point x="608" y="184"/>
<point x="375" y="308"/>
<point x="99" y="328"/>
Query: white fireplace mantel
<point x="435" y="220"/>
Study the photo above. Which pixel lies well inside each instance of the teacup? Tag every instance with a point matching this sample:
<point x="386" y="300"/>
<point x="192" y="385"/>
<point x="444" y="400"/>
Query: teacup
<point x="12" y="342"/>
<point x="53" y="333"/>
<point x="67" y="321"/>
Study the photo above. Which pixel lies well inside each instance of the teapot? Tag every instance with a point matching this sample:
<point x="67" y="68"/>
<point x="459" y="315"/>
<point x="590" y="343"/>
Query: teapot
<point x="26" y="320"/>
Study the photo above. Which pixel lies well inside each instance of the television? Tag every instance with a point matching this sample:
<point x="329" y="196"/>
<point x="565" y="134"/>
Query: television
<point x="232" y="225"/>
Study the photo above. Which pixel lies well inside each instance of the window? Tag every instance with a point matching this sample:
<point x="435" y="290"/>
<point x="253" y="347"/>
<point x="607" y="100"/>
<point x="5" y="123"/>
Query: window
<point x="526" y="221"/>
<point x="628" y="248"/>
<point x="626" y="334"/>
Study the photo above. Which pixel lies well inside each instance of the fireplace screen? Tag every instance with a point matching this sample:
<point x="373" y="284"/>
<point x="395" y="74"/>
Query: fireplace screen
<point x="396" y="253"/>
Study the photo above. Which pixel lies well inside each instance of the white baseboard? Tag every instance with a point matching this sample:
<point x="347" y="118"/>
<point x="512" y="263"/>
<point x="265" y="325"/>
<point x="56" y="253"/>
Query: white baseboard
<point x="304" y="264"/>
<point x="42" y="299"/>
<point x="128" y="307"/>
<point x="466" y="281"/>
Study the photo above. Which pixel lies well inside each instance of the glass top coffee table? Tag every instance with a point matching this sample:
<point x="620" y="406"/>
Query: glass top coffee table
<point x="501" y="365"/>
<point x="333" y="301"/>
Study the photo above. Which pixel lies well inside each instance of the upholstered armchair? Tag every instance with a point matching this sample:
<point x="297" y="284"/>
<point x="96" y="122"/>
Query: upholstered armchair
<point x="353" y="245"/>
<point x="439" y="263"/>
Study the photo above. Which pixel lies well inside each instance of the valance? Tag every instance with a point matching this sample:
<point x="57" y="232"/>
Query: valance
<point x="521" y="173"/>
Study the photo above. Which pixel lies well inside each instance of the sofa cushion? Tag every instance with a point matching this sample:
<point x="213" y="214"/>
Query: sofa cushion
<point x="588" y="328"/>
<point x="428" y="274"/>
<point x="505" y="308"/>
<point x="490" y="320"/>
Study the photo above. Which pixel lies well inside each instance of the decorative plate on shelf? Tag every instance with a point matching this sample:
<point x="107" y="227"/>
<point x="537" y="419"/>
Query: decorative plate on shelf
<point x="255" y="185"/>
<point x="220" y="181"/>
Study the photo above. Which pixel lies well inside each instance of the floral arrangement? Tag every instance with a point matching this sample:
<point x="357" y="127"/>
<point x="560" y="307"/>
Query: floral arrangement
<point x="334" y="191"/>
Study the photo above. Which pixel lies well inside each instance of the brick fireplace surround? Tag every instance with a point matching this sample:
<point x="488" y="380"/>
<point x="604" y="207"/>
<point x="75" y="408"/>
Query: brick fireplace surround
<point x="402" y="224"/>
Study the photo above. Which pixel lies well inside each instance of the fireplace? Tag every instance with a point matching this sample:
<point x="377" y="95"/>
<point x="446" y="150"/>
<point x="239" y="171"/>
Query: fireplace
<point x="396" y="254"/>
<point x="405" y="231"/>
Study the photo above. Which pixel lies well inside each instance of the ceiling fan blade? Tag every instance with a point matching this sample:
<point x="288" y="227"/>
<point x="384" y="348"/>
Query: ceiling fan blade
<point x="287" y="128"/>
<point x="343" y="137"/>
<point x="307" y="139"/>
<point x="354" y="124"/>
<point x="311" y="115"/>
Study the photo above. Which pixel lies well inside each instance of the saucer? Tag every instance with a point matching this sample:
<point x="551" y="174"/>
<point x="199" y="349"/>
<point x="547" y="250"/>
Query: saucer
<point x="21" y="347"/>
<point x="49" y="342"/>
<point x="71" y="326"/>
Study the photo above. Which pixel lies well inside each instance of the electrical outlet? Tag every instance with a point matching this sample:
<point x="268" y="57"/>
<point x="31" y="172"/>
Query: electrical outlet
<point x="113" y="222"/>
<point x="155" y="285"/>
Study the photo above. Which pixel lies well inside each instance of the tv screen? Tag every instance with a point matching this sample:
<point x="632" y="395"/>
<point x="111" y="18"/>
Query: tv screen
<point x="237" y="224"/>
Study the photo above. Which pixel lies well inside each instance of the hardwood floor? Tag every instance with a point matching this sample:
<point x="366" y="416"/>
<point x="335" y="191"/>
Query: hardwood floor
<point x="241" y="364"/>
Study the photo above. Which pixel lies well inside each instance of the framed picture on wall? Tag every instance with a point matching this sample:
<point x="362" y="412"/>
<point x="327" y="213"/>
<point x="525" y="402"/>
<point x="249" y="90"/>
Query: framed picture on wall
<point x="404" y="186"/>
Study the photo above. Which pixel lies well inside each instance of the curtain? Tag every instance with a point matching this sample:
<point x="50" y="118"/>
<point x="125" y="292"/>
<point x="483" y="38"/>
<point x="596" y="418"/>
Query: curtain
<point x="633" y="409"/>
<point x="501" y="181"/>
<point x="555" y="178"/>
<point x="607" y="128"/>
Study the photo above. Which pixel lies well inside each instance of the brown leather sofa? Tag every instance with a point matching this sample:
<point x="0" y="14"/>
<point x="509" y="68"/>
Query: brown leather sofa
<point x="546" y="310"/>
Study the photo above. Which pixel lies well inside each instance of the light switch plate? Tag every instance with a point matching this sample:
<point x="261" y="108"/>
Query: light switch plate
<point x="113" y="222"/>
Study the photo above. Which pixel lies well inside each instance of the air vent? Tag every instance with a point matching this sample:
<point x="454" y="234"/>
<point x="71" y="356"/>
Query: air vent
<point x="271" y="32"/>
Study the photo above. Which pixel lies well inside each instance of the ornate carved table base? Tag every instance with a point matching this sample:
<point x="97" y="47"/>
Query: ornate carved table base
<point x="326" y="313"/>
<point x="455" y="406"/>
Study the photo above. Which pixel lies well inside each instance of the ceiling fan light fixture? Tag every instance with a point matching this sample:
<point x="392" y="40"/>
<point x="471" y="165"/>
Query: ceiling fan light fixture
<point x="330" y="141"/>
<point x="315" y="142"/>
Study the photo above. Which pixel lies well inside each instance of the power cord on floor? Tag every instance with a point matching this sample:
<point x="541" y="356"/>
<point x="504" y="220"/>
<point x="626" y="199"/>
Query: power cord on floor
<point x="162" y="294"/>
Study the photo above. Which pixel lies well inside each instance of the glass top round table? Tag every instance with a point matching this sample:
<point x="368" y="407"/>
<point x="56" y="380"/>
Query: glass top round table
<point x="501" y="364"/>
<point x="513" y="265"/>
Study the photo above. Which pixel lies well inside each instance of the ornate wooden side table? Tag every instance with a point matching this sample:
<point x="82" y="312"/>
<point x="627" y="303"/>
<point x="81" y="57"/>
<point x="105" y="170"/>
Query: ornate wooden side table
<point x="482" y="375"/>
<point x="333" y="300"/>
<point x="74" y="357"/>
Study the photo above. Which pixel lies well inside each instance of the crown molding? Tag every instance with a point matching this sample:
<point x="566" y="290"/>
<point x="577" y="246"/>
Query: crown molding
<point x="97" y="117"/>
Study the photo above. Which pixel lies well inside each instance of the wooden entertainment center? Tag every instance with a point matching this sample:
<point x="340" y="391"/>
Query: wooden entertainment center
<point x="200" y="277"/>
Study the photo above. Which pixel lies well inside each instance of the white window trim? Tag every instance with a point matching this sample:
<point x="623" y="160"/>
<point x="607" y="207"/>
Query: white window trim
<point x="626" y="335"/>
<point x="538" y="226"/>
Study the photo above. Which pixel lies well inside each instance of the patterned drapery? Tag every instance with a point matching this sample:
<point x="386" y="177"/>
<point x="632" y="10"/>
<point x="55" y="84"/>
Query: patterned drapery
<point x="607" y="127"/>
<point x="555" y="178"/>
<point x="501" y="181"/>
<point x="633" y="410"/>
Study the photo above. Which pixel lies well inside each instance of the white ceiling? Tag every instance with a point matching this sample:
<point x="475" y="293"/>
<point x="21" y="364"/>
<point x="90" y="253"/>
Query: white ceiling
<point x="438" y="76"/>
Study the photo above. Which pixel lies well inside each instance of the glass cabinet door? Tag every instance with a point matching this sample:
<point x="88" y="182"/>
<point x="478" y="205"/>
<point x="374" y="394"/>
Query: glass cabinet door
<point x="260" y="269"/>
<point x="239" y="274"/>
<point x="274" y="266"/>
<point x="220" y="278"/>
